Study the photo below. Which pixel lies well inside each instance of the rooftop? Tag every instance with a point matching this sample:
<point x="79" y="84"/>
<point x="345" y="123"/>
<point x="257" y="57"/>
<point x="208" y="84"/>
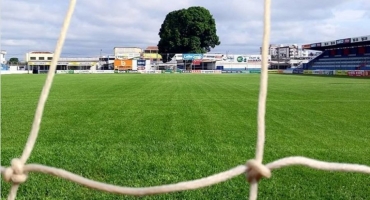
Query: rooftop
<point x="152" y="48"/>
<point x="41" y="52"/>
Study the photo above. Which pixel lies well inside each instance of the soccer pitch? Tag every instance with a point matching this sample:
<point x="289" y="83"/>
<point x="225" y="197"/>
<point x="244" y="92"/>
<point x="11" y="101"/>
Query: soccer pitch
<point x="145" y="130"/>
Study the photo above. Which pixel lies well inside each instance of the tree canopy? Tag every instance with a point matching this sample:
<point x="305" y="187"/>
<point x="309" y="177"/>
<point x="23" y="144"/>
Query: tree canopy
<point x="13" y="61"/>
<point x="191" y="30"/>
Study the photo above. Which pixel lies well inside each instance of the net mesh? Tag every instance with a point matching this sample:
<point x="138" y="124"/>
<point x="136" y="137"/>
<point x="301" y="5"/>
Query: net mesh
<point x="17" y="172"/>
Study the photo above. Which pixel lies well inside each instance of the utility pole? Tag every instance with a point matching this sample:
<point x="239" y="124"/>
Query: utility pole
<point x="100" y="59"/>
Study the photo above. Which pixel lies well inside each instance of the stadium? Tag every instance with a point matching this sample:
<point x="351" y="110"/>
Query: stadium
<point x="348" y="56"/>
<point x="128" y="126"/>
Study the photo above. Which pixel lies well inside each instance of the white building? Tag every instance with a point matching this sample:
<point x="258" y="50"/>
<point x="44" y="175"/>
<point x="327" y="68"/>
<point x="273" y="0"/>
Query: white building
<point x="41" y="60"/>
<point x="2" y="57"/>
<point x="286" y="51"/>
<point x="127" y="52"/>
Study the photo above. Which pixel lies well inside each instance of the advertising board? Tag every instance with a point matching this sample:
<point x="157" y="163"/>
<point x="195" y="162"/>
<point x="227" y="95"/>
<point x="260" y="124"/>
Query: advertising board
<point x="356" y="73"/>
<point x="122" y="64"/>
<point x="82" y="71"/>
<point x="141" y="63"/>
<point x="341" y="72"/>
<point x="323" y="72"/>
<point x="341" y="41"/>
<point x="104" y="71"/>
<point x="297" y="71"/>
<point x="306" y="46"/>
<point x="191" y="56"/>
<point x="347" y="40"/>
<point x="196" y="62"/>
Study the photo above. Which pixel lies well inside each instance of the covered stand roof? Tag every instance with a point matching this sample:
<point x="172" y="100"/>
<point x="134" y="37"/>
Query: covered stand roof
<point x="340" y="43"/>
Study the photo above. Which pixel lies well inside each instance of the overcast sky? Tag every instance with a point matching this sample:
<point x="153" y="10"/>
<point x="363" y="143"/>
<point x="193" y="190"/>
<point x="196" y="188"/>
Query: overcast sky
<point x="34" y="25"/>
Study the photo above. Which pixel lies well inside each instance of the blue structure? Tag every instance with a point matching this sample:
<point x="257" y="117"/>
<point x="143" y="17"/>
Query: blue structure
<point x="4" y="67"/>
<point x="343" y="54"/>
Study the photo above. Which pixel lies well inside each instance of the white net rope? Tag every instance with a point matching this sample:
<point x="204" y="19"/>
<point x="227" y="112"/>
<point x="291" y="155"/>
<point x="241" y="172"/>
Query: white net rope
<point x="254" y="169"/>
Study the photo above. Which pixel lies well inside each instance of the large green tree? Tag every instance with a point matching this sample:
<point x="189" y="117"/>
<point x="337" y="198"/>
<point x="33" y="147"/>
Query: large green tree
<point x="13" y="61"/>
<point x="191" y="30"/>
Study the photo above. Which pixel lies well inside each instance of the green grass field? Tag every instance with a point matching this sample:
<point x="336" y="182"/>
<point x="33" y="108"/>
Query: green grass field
<point x="146" y="130"/>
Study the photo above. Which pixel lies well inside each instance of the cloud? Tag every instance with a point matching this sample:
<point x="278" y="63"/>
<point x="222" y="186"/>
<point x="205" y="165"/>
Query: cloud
<point x="35" y="24"/>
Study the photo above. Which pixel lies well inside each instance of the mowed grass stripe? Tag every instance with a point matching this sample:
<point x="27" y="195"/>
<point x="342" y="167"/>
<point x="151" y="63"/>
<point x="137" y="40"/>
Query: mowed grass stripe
<point x="143" y="130"/>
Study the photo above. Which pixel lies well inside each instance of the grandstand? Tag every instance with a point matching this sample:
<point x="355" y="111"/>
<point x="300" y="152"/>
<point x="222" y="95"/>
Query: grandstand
<point x="341" y="54"/>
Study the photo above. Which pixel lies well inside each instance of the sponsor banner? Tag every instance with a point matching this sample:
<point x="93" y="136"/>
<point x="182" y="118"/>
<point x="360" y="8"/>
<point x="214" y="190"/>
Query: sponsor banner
<point x="191" y="56"/>
<point x="62" y="71"/>
<point x="39" y="63"/>
<point x="367" y="73"/>
<point x="340" y="41"/>
<point x="341" y="72"/>
<point x="73" y="64"/>
<point x="85" y="72"/>
<point x="104" y="71"/>
<point x="211" y="71"/>
<point x="125" y="71"/>
<point x="297" y="71"/>
<point x="306" y="46"/>
<point x="167" y="71"/>
<point x="323" y="72"/>
<point x="120" y="72"/>
<point x="356" y="73"/>
<point x="207" y="71"/>
<point x="197" y="62"/>
<point x="288" y="71"/>
<point x="307" y="72"/>
<point x="82" y="71"/>
<point x="122" y="64"/>
<point x="2" y="72"/>
<point x="141" y="63"/>
<point x="125" y="56"/>
<point x="280" y="71"/>
<point x="150" y="71"/>
<point x="66" y="71"/>
<point x="240" y="58"/>
<point x="347" y="40"/>
<point x="254" y="71"/>
<point x="213" y="57"/>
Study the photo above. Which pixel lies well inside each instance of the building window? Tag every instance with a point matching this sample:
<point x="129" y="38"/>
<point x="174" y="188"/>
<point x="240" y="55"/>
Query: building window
<point x="50" y="58"/>
<point x="41" y="58"/>
<point x="32" y="58"/>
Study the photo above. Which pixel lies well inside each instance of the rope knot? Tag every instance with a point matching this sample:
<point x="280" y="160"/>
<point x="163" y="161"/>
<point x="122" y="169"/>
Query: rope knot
<point x="14" y="173"/>
<point x="256" y="171"/>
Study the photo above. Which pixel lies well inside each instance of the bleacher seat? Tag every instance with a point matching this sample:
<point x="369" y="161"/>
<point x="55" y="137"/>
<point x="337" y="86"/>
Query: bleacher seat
<point x="354" y="62"/>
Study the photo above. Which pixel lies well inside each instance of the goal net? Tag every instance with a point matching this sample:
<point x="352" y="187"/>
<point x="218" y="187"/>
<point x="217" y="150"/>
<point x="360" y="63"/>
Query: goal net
<point x="254" y="168"/>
